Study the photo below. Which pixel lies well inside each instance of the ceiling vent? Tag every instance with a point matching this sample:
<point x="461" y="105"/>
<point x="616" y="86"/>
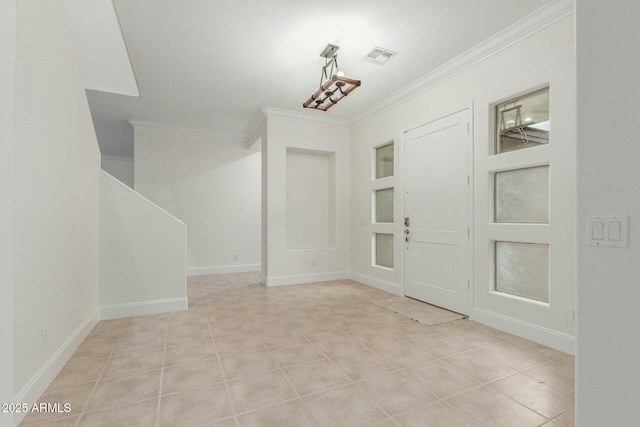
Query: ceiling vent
<point x="379" y="55"/>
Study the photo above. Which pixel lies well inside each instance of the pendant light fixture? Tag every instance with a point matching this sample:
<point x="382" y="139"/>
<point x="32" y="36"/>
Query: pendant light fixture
<point x="333" y="85"/>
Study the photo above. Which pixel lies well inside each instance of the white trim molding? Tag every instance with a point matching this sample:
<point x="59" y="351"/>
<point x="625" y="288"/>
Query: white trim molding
<point x="223" y="269"/>
<point x="544" y="336"/>
<point x="141" y="308"/>
<point x="516" y="32"/>
<point x="32" y="391"/>
<point x="254" y="124"/>
<point x="392" y="288"/>
<point x="296" y="116"/>
<point x="180" y="129"/>
<point x="298" y="279"/>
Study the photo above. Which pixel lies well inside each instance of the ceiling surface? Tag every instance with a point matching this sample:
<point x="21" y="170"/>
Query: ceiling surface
<point x="210" y="64"/>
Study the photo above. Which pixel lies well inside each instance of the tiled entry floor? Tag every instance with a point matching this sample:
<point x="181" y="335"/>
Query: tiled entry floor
<point x="306" y="355"/>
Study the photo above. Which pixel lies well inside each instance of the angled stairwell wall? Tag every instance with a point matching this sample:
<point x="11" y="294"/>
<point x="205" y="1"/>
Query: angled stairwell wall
<point x="142" y="254"/>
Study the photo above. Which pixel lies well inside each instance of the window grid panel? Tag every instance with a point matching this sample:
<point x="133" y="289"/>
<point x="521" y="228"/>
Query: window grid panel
<point x="522" y="122"/>
<point x="384" y="163"/>
<point x="522" y="195"/>
<point x="384" y="250"/>
<point x="522" y="269"/>
<point x="384" y="206"/>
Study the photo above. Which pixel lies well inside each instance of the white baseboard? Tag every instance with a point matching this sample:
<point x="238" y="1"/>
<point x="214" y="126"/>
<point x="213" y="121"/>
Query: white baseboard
<point x="304" y="278"/>
<point x="223" y="269"/>
<point x="550" y="338"/>
<point x="117" y="311"/>
<point x="32" y="391"/>
<point x="392" y="288"/>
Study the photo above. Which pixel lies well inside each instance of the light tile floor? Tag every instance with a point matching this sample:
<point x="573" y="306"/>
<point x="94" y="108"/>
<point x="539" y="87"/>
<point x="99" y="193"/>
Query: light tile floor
<point x="306" y="355"/>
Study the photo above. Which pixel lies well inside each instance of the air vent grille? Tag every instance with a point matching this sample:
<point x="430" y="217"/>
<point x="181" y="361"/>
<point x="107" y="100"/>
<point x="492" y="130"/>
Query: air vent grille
<point x="379" y="55"/>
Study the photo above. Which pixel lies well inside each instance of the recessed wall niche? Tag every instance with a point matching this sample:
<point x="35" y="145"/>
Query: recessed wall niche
<point x="311" y="199"/>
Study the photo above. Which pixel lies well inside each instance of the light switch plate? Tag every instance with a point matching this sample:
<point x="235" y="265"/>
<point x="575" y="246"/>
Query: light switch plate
<point x="608" y="230"/>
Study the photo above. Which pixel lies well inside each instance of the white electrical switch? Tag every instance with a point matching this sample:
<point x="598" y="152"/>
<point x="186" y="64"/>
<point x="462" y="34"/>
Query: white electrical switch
<point x="597" y="230"/>
<point x="615" y="230"/>
<point x="608" y="230"/>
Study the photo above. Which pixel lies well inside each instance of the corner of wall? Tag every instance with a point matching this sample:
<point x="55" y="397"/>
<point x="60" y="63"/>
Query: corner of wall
<point x="7" y="201"/>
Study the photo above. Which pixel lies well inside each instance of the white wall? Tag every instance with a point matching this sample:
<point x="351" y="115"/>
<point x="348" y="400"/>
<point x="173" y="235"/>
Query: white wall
<point x="287" y="266"/>
<point x="213" y="185"/>
<point x="7" y="204"/>
<point x="545" y="57"/>
<point x="142" y="254"/>
<point x="120" y="168"/>
<point x="56" y="199"/>
<point x="608" y="328"/>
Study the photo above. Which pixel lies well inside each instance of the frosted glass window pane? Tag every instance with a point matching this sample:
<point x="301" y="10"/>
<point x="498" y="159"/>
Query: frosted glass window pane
<point x="522" y="195"/>
<point x="523" y="122"/>
<point x="384" y="205"/>
<point x="384" y="250"/>
<point x="523" y="269"/>
<point x="384" y="161"/>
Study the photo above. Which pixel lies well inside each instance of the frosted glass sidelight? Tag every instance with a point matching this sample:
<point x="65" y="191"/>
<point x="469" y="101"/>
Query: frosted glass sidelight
<point x="522" y="269"/>
<point x="384" y="161"/>
<point x="523" y="122"/>
<point x="522" y="195"/>
<point x="384" y="205"/>
<point x="384" y="250"/>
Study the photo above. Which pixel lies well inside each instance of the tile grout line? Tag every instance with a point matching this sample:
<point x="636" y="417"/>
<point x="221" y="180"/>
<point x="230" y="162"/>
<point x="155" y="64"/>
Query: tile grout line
<point x="100" y="377"/>
<point x="341" y="385"/>
<point x="164" y="357"/>
<point x="224" y="377"/>
<point x="304" y="404"/>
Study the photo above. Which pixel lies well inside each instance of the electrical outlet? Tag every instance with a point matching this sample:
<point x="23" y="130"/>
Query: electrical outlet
<point x="43" y="337"/>
<point x="571" y="313"/>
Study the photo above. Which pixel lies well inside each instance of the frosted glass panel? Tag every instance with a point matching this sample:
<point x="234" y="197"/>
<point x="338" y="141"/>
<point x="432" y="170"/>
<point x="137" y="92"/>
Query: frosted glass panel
<point x="523" y="269"/>
<point x="384" y="250"/>
<point x="384" y="161"/>
<point x="384" y="205"/>
<point x="522" y="195"/>
<point x="523" y="122"/>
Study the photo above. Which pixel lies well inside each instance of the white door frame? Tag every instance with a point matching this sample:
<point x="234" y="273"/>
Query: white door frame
<point x="470" y="258"/>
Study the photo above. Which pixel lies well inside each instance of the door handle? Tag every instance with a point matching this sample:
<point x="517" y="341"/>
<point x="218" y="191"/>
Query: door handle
<point x="406" y="235"/>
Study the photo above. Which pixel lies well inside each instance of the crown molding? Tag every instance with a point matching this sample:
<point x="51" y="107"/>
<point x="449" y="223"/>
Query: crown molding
<point x="264" y="113"/>
<point x="296" y="116"/>
<point x="515" y="33"/>
<point x="254" y="124"/>
<point x="185" y="130"/>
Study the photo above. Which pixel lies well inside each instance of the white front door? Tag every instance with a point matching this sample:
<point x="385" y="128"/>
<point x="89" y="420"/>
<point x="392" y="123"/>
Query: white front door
<point x="437" y="185"/>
